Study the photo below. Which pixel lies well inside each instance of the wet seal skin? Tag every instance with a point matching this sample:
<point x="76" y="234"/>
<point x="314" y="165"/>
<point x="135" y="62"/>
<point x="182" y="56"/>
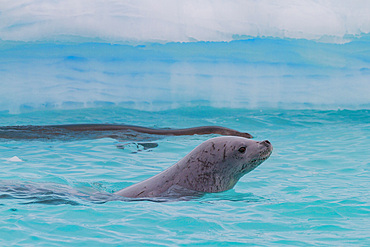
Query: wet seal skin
<point x="94" y="131"/>
<point x="215" y="165"/>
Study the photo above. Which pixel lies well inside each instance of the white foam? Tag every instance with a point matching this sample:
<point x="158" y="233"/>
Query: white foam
<point x="181" y="21"/>
<point x="14" y="159"/>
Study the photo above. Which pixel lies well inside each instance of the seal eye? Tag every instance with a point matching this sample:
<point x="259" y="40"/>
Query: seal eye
<point x="242" y="149"/>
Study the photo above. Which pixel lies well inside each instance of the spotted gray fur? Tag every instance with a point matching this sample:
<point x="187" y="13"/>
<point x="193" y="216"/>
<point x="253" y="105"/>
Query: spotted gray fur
<point x="215" y="165"/>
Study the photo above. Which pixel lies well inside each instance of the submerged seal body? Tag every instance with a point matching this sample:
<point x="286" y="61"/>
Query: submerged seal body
<point x="93" y="131"/>
<point x="215" y="165"/>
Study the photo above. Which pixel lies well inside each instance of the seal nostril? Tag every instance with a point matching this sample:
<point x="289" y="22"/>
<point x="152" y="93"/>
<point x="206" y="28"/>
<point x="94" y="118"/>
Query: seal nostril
<point x="266" y="143"/>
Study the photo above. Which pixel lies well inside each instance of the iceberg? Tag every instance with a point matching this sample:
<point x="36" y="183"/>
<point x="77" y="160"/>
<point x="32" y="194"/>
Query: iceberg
<point x="142" y="55"/>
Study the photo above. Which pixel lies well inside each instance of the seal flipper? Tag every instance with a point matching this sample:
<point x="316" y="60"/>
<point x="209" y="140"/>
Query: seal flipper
<point x="177" y="191"/>
<point x="141" y="146"/>
<point x="148" y="145"/>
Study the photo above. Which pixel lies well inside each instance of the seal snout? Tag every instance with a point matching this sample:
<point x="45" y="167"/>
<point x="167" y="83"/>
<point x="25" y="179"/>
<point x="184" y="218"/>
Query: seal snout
<point x="266" y="143"/>
<point x="267" y="146"/>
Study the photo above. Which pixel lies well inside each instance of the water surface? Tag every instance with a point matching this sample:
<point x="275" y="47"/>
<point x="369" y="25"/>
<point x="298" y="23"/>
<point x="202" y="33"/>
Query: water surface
<point x="313" y="190"/>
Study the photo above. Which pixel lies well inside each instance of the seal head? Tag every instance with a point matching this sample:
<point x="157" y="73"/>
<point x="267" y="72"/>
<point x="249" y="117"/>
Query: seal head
<point x="218" y="164"/>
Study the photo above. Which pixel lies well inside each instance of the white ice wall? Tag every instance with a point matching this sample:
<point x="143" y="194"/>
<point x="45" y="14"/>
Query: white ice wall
<point x="294" y="54"/>
<point x="255" y="74"/>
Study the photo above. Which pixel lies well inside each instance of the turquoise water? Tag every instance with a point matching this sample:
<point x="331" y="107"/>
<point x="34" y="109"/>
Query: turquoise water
<point x="313" y="190"/>
<point x="295" y="74"/>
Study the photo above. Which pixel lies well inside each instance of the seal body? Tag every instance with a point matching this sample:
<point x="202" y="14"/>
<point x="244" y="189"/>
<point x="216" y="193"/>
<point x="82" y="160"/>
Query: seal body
<point x="116" y="131"/>
<point x="215" y="165"/>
